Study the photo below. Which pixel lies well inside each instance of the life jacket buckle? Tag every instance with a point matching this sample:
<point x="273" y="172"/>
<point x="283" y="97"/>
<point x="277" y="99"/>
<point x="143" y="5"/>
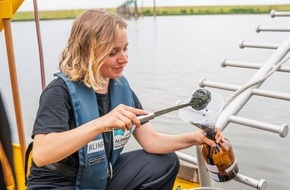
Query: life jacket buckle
<point x="110" y="170"/>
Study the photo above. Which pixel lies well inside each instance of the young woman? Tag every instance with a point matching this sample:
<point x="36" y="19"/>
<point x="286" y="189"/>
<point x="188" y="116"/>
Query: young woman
<point x="88" y="113"/>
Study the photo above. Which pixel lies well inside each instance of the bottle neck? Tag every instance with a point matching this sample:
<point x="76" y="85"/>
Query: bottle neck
<point x="210" y="133"/>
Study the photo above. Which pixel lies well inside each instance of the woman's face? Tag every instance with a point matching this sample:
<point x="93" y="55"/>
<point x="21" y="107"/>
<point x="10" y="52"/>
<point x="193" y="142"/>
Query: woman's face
<point x="117" y="60"/>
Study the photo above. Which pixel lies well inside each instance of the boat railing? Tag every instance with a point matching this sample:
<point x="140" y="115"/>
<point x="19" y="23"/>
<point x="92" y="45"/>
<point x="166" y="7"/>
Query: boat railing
<point x="243" y="93"/>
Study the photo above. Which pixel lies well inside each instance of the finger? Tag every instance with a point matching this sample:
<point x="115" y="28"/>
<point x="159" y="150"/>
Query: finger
<point x="219" y="136"/>
<point x="133" y="119"/>
<point x="136" y="111"/>
<point x="120" y="124"/>
<point x="127" y="122"/>
<point x="206" y="140"/>
<point x="132" y="114"/>
<point x="210" y="142"/>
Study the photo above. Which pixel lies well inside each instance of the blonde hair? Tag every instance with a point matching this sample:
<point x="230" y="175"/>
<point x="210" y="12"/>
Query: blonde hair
<point x="91" y="41"/>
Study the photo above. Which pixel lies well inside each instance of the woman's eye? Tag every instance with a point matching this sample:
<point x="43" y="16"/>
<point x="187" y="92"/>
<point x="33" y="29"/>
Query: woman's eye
<point x="113" y="53"/>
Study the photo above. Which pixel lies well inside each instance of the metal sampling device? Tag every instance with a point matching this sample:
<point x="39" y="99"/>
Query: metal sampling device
<point x="199" y="101"/>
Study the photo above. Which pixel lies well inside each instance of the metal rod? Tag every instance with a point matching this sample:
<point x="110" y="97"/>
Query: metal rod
<point x="171" y="109"/>
<point x="281" y="130"/>
<point x="279" y="13"/>
<point x="244" y="44"/>
<point x="150" y="116"/>
<point x="255" y="91"/>
<point x="40" y="51"/>
<point x="271" y="29"/>
<point x="14" y="86"/>
<point x="187" y="158"/>
<point x="260" y="185"/>
<point x="154" y="9"/>
<point x="203" y="174"/>
<point x="240" y="64"/>
<point x="271" y="94"/>
<point x="145" y="118"/>
<point x="206" y="83"/>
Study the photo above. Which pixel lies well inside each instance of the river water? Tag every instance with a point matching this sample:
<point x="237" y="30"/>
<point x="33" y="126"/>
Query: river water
<point x="167" y="58"/>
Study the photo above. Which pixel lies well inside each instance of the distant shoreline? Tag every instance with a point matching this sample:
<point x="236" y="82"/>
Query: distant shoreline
<point x="161" y="11"/>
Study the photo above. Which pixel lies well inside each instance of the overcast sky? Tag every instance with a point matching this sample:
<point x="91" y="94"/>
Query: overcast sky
<point x="27" y="5"/>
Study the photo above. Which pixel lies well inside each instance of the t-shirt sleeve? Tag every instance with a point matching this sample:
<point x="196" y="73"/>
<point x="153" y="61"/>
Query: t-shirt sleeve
<point x="53" y="112"/>
<point x="136" y="100"/>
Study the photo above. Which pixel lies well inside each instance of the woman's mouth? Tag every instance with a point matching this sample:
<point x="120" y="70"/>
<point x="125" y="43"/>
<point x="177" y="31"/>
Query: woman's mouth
<point x="119" y="69"/>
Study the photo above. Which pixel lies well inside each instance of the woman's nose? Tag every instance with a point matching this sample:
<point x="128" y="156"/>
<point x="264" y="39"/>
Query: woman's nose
<point x="123" y="58"/>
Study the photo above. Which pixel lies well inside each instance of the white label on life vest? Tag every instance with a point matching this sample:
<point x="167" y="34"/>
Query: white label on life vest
<point x="95" y="146"/>
<point x="121" y="138"/>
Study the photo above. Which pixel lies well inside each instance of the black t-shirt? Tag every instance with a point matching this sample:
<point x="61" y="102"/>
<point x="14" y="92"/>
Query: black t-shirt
<point x="55" y="114"/>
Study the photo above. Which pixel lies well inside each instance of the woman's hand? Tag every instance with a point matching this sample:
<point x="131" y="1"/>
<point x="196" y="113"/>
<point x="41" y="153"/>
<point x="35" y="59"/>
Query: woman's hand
<point x="201" y="138"/>
<point x="219" y="136"/>
<point x="122" y="117"/>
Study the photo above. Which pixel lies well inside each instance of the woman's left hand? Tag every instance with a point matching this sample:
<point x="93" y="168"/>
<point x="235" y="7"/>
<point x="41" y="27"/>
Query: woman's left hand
<point x="219" y="136"/>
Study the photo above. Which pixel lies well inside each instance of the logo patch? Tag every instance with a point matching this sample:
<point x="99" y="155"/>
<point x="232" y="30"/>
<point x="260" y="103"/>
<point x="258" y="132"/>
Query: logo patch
<point x="96" y="160"/>
<point x="96" y="146"/>
<point x="121" y="138"/>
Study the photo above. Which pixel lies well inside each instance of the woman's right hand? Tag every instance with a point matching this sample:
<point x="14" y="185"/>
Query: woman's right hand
<point x="122" y="117"/>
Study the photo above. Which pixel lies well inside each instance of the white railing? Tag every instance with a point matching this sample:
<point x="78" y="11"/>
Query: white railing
<point x="228" y="115"/>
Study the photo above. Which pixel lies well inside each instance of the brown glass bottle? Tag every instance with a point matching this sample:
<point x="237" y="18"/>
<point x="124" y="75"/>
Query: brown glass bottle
<point x="220" y="160"/>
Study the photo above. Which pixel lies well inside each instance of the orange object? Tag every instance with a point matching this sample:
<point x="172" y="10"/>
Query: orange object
<point x="7" y="9"/>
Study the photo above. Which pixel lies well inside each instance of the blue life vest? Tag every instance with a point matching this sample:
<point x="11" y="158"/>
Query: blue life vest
<point x="93" y="164"/>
